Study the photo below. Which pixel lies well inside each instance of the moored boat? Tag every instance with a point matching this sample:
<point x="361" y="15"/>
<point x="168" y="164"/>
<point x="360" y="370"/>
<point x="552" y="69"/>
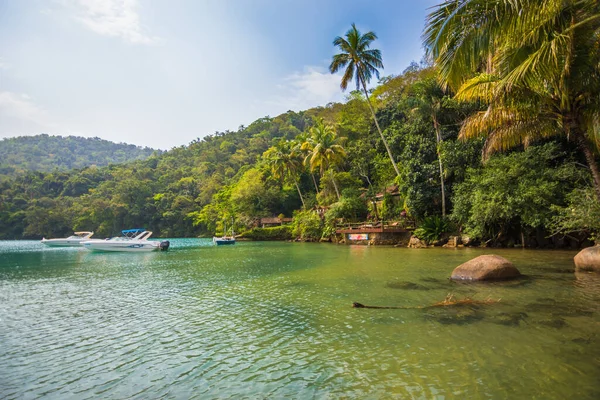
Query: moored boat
<point x="133" y="240"/>
<point x="76" y="240"/>
<point x="225" y="240"/>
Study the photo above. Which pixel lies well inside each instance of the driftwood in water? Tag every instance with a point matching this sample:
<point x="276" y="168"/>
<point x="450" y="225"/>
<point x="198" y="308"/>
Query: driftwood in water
<point x="447" y="302"/>
<point x="359" y="305"/>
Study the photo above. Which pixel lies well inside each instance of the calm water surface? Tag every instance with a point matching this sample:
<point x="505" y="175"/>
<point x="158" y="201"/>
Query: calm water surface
<point x="274" y="320"/>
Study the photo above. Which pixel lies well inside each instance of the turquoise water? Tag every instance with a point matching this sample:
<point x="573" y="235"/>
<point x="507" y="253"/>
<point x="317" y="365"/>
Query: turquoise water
<point x="274" y="320"/>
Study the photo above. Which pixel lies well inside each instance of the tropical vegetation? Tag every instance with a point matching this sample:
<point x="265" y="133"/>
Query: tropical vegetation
<point x="56" y="153"/>
<point x="493" y="136"/>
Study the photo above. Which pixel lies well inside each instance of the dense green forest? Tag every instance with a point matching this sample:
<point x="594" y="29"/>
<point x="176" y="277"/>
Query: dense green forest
<point x="49" y="153"/>
<point x="479" y="141"/>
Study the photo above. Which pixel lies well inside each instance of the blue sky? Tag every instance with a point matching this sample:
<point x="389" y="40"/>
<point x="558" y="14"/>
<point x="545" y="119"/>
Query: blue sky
<point x="163" y="73"/>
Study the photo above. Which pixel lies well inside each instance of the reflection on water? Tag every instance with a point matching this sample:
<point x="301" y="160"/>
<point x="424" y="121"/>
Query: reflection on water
<point x="274" y="320"/>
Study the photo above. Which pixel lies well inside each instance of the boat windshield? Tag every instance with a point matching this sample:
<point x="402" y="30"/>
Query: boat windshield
<point x="81" y="235"/>
<point x="132" y="233"/>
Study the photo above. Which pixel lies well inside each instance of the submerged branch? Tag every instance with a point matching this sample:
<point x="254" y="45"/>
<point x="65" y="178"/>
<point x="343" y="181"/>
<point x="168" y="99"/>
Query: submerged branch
<point x="448" y="301"/>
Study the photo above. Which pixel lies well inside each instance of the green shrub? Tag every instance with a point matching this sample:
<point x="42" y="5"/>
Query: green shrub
<point x="431" y="228"/>
<point x="389" y="209"/>
<point x="581" y="215"/>
<point x="283" y="232"/>
<point x="307" y="225"/>
<point x="350" y="207"/>
<point x="516" y="192"/>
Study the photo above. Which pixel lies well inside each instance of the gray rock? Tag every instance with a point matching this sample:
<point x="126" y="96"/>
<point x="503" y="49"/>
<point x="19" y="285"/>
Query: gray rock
<point x="485" y="268"/>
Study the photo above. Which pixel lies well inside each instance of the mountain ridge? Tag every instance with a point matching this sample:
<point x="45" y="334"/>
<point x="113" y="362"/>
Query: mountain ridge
<point x="46" y="153"/>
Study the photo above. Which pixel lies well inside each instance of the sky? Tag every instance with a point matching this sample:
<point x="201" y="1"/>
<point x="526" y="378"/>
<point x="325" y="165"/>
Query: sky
<point x="163" y="73"/>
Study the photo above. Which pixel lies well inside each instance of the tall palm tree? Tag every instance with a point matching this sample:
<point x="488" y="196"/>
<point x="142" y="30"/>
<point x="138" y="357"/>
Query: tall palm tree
<point x="324" y="150"/>
<point x="536" y="63"/>
<point x="361" y="63"/>
<point x="429" y="96"/>
<point x="284" y="162"/>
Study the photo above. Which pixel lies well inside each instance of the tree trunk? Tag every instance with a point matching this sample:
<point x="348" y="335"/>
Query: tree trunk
<point x="385" y="143"/>
<point x="367" y="178"/>
<point x="438" y="137"/>
<point x="591" y="161"/>
<point x="375" y="209"/>
<point x="315" y="182"/>
<point x="300" y="194"/>
<point x="335" y="185"/>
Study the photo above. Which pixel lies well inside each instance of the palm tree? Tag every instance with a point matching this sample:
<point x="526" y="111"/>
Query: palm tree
<point x="297" y="150"/>
<point x="324" y="150"/>
<point x="429" y="97"/>
<point x="284" y="162"/>
<point x="536" y="63"/>
<point x="360" y="62"/>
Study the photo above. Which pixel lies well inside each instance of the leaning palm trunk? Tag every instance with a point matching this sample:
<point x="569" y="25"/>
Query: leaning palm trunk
<point x="438" y="137"/>
<point x="385" y="143"/>
<point x="337" y="192"/>
<point x="300" y="194"/>
<point x="315" y="182"/>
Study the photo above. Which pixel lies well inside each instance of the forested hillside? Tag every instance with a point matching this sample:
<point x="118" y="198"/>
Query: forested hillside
<point x="48" y="153"/>
<point x="329" y="156"/>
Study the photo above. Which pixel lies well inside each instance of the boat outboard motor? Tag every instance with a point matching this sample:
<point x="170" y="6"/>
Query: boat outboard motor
<point x="164" y="245"/>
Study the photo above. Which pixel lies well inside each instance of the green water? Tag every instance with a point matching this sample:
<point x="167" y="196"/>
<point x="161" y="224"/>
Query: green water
<point x="274" y="320"/>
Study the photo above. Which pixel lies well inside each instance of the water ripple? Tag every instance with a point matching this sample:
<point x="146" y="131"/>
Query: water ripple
<point x="273" y="321"/>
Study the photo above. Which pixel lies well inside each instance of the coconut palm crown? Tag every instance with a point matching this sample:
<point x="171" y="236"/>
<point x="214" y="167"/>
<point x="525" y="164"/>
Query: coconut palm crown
<point x="324" y="149"/>
<point x="360" y="61"/>
<point x="284" y="162"/>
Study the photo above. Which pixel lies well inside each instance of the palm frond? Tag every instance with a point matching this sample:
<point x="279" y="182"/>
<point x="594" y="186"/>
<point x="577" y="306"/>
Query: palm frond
<point x="347" y="77"/>
<point x="523" y="133"/>
<point x="481" y="87"/>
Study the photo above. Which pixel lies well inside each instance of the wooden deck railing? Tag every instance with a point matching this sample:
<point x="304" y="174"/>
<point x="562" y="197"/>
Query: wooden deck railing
<point x="402" y="225"/>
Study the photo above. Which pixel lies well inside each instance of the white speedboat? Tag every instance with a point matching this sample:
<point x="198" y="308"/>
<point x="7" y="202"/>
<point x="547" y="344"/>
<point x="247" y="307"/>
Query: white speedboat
<point x="133" y="240"/>
<point x="72" y="241"/>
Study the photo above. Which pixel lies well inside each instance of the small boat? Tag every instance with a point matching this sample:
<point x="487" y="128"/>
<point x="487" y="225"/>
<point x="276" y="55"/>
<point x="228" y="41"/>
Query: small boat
<point x="224" y="240"/>
<point x="76" y="240"/>
<point x="133" y="240"/>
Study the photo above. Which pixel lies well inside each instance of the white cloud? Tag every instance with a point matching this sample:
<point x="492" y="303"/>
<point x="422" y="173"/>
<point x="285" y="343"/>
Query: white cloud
<point x="114" y="18"/>
<point x="4" y="64"/>
<point x="312" y="87"/>
<point x="22" y="108"/>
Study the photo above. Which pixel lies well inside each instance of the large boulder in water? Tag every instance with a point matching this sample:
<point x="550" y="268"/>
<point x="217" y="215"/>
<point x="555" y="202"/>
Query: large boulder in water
<point x="588" y="259"/>
<point x="485" y="268"/>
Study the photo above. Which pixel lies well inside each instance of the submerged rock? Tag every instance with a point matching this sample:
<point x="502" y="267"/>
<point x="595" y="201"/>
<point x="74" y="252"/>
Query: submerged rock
<point x="460" y="315"/>
<point x="558" y="309"/>
<point x="509" y="319"/>
<point x="555" y="323"/>
<point x="406" y="285"/>
<point x="485" y="268"/>
<point x="588" y="259"/>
